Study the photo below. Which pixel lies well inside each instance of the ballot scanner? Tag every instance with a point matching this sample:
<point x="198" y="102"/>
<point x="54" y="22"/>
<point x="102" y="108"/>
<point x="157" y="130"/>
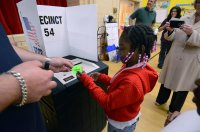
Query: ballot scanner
<point x="66" y="77"/>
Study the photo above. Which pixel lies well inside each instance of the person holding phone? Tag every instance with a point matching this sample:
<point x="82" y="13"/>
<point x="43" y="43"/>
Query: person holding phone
<point x="182" y="63"/>
<point x="175" y="12"/>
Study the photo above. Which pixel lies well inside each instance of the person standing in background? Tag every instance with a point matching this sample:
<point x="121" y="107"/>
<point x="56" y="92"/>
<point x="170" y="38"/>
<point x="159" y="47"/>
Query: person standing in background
<point x="145" y="15"/>
<point x="182" y="63"/>
<point x="175" y="12"/>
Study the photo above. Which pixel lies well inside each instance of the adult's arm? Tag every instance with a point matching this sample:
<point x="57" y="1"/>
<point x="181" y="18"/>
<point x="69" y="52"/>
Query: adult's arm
<point x="57" y="64"/>
<point x="133" y="16"/>
<point x="9" y="91"/>
<point x="192" y="34"/>
<point x="154" y="20"/>
<point x="194" y="39"/>
<point x="162" y="26"/>
<point x="170" y="34"/>
<point x="27" y="55"/>
<point x="38" y="82"/>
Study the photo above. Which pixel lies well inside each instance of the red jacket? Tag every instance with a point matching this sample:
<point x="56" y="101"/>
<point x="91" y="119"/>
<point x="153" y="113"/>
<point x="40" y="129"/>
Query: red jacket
<point x="126" y="92"/>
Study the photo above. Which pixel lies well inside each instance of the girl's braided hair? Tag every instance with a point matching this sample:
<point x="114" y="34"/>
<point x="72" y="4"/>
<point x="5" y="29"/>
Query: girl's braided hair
<point x="138" y="36"/>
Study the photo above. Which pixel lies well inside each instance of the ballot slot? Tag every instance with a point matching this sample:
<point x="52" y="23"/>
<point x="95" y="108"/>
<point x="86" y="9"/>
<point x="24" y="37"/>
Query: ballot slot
<point x="66" y="77"/>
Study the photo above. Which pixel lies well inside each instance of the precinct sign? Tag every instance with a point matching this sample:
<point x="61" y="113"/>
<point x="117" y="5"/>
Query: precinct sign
<point x="60" y="31"/>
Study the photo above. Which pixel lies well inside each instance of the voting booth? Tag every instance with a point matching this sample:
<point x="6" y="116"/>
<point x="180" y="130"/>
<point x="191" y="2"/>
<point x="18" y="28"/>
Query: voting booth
<point x="69" y="32"/>
<point x="70" y="108"/>
<point x="60" y="31"/>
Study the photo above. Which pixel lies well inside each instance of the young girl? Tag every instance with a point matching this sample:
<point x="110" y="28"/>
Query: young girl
<point x="127" y="88"/>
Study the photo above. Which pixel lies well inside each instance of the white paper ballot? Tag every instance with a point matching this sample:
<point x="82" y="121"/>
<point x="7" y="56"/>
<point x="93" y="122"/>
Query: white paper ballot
<point x="66" y="77"/>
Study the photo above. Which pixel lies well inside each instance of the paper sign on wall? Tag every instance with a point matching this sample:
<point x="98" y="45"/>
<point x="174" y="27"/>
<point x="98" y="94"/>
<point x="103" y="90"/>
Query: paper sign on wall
<point x="60" y="31"/>
<point x="112" y="31"/>
<point x="161" y="15"/>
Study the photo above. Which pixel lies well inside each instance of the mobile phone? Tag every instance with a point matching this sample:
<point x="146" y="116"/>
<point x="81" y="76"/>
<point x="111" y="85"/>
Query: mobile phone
<point x="176" y="23"/>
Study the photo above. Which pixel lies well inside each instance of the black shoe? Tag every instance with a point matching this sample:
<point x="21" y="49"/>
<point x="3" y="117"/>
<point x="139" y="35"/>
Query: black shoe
<point x="159" y="66"/>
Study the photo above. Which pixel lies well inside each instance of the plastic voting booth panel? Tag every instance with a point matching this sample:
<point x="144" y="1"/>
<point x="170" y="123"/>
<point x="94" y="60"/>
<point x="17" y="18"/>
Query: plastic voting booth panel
<point x="60" y="31"/>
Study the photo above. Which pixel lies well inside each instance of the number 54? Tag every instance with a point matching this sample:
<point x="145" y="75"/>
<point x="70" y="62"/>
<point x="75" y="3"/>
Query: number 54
<point x="48" y="32"/>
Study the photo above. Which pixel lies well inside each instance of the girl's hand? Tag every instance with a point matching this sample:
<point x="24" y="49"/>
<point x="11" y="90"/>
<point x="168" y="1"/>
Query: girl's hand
<point x="95" y="76"/>
<point x="78" y="74"/>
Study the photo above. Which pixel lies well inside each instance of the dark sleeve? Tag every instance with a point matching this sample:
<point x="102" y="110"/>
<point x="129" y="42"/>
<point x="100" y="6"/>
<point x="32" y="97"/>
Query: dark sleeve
<point x="134" y="14"/>
<point x="9" y="57"/>
<point x="163" y="23"/>
<point x="169" y="33"/>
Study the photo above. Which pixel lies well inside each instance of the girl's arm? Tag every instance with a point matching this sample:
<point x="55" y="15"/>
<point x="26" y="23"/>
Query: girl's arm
<point x="125" y="94"/>
<point x="105" y="79"/>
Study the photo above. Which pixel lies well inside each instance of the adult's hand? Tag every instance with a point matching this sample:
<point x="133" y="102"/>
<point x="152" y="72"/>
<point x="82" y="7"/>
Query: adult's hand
<point x="168" y="28"/>
<point x="59" y="64"/>
<point x="38" y="81"/>
<point x="187" y="29"/>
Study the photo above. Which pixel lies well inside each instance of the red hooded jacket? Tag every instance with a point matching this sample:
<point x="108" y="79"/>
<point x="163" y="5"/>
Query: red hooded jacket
<point x="125" y="93"/>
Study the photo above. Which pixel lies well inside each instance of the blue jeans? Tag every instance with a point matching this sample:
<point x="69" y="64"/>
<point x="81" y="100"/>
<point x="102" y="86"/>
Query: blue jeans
<point x="126" y="129"/>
